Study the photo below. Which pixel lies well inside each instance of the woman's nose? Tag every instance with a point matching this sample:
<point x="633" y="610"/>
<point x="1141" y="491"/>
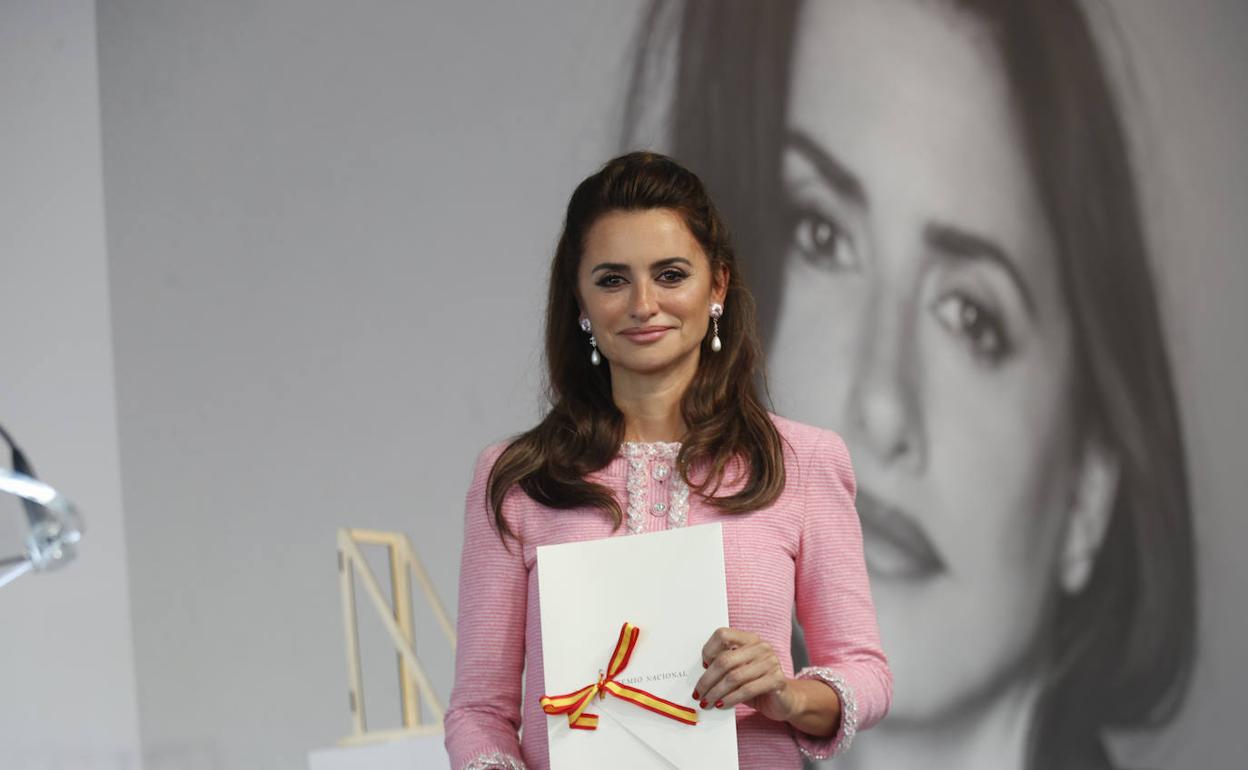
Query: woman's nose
<point x="883" y="402"/>
<point x="643" y="305"/>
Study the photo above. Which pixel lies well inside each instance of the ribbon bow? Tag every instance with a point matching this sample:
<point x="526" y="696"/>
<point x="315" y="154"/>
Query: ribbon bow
<point x="574" y="703"/>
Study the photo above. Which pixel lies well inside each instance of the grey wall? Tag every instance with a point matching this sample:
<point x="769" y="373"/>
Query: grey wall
<point x="329" y="225"/>
<point x="67" y="694"/>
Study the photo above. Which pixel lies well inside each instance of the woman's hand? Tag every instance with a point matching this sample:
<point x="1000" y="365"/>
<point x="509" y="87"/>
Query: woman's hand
<point x="742" y="668"/>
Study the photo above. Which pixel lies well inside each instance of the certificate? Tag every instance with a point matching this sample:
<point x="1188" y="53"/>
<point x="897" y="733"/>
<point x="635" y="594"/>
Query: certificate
<point x="669" y="587"/>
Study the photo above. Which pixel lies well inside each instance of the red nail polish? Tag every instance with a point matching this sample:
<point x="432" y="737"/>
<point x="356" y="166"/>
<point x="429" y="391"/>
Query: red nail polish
<point x="719" y="704"/>
<point x="705" y="664"/>
<point x="702" y="704"/>
<point x="695" y="694"/>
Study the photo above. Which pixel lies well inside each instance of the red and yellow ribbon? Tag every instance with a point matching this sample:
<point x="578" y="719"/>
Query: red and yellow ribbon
<point x="574" y="703"/>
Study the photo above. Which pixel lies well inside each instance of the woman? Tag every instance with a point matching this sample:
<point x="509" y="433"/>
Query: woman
<point x="652" y="353"/>
<point x="942" y="195"/>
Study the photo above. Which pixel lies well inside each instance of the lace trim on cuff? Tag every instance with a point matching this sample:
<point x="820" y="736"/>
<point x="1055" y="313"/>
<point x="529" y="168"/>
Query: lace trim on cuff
<point x="849" y="710"/>
<point x="495" y="760"/>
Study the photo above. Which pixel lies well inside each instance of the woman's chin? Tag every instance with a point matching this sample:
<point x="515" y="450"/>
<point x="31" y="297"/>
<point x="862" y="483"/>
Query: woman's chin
<point x="945" y="657"/>
<point x="649" y="362"/>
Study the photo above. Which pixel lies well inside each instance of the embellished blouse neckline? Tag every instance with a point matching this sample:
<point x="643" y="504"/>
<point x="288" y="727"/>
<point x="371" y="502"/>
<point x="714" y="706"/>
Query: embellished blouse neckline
<point x="650" y="447"/>
<point x="655" y="486"/>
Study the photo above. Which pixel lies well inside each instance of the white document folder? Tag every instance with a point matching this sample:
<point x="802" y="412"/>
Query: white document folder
<point x="668" y="584"/>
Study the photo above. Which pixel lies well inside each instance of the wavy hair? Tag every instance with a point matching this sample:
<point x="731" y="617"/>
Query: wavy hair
<point x="1124" y="646"/>
<point x="583" y="430"/>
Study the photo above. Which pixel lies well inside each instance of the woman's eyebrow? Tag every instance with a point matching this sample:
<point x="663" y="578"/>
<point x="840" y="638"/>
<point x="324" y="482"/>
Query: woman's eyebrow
<point x="620" y="266"/>
<point x="950" y="241"/>
<point x="833" y="171"/>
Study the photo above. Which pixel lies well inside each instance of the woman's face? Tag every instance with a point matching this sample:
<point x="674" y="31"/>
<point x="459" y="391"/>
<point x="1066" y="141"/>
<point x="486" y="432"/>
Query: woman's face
<point x="922" y="318"/>
<point x="646" y="286"/>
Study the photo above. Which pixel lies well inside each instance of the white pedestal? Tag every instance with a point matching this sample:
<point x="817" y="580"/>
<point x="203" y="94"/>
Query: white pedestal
<point x="417" y="753"/>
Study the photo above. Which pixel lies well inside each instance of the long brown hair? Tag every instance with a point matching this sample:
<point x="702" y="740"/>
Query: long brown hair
<point x="1125" y="645"/>
<point x="584" y="428"/>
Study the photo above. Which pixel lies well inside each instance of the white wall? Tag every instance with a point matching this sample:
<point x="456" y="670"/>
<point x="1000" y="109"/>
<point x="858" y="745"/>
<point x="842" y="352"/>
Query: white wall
<point x="329" y="226"/>
<point x="67" y="698"/>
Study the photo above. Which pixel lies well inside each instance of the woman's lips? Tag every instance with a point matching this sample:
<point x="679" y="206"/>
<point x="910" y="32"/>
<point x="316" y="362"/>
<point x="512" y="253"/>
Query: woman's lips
<point x="646" y="334"/>
<point x="894" y="544"/>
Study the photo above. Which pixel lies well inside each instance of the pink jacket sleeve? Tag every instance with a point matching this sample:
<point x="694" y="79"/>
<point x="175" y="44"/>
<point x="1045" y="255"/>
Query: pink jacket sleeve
<point x="483" y="719"/>
<point x="834" y="603"/>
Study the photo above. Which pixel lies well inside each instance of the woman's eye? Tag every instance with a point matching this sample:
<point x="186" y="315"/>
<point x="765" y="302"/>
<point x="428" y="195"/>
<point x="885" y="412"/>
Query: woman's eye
<point x="672" y="276"/>
<point x="981" y="328"/>
<point x="822" y="241"/>
<point x="609" y="280"/>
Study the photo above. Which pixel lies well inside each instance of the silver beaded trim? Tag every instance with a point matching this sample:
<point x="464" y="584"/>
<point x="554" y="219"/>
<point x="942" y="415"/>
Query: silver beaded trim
<point x="495" y="760"/>
<point x="849" y="709"/>
<point x="639" y="456"/>
<point x="678" y="511"/>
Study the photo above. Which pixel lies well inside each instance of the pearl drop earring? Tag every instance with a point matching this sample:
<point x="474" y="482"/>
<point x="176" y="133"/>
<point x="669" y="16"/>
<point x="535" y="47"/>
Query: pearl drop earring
<point x="594" y="358"/>
<point x="717" y="310"/>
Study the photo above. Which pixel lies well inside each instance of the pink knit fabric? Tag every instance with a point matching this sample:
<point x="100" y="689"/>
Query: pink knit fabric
<point x="806" y="548"/>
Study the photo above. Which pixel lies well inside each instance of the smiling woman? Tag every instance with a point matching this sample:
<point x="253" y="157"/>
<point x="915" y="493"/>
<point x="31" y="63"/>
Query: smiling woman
<point x="607" y="278"/>
<point x="937" y="208"/>
<point x="647" y="308"/>
<point x="652" y="356"/>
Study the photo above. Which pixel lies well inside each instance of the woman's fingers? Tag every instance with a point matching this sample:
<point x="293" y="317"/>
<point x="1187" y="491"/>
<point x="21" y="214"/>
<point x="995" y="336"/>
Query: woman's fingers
<point x="768" y="684"/>
<point x="732" y="669"/>
<point x="750" y="678"/>
<point x="725" y="639"/>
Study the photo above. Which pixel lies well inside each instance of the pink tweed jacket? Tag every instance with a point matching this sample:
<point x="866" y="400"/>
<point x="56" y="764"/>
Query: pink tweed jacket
<point x="805" y="549"/>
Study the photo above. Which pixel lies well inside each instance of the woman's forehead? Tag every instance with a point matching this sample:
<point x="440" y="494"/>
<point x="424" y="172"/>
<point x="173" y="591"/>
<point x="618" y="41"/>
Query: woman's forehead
<point x="638" y="239"/>
<point x="910" y="98"/>
<point x="903" y="74"/>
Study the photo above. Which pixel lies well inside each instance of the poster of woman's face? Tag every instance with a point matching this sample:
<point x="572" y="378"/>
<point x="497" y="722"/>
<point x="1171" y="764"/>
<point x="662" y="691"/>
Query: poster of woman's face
<point x="938" y="204"/>
<point x="923" y="316"/>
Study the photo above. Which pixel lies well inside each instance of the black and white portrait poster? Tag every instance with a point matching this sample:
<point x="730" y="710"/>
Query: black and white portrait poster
<point x="942" y="208"/>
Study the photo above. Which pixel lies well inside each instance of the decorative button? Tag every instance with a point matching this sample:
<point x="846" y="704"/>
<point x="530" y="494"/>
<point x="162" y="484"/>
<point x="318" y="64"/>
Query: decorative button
<point x="661" y="471"/>
<point x="660" y="509"/>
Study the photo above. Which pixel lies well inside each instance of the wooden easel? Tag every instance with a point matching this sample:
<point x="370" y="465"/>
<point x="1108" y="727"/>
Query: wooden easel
<point x="413" y="681"/>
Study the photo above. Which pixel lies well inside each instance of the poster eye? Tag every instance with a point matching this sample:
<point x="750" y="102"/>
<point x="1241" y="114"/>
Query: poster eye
<point x="822" y="241"/>
<point x="977" y="326"/>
